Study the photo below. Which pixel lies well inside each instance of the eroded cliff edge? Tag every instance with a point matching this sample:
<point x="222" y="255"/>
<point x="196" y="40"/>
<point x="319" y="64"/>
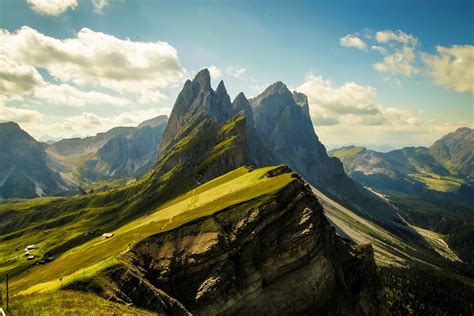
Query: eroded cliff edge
<point x="276" y="255"/>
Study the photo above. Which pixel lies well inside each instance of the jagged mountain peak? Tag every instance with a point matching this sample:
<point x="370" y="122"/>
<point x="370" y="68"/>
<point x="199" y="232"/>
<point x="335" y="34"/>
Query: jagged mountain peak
<point x="221" y="88"/>
<point x="277" y="87"/>
<point x="203" y="79"/>
<point x="240" y="104"/>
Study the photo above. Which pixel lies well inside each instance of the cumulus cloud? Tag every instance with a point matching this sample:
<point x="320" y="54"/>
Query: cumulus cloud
<point x="379" y="49"/>
<point x="351" y="40"/>
<point x="51" y="7"/>
<point x="95" y="58"/>
<point x="15" y="79"/>
<point x="233" y="71"/>
<point x="452" y="67"/>
<point x="215" y="72"/>
<point x="67" y="95"/>
<point x="349" y="104"/>
<point x="397" y="36"/>
<point x="14" y="114"/>
<point x="400" y="62"/>
<point x="88" y="123"/>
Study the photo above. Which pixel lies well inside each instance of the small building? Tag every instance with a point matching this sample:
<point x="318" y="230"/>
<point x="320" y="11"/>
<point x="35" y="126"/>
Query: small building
<point x="107" y="235"/>
<point x="30" y="257"/>
<point x="30" y="247"/>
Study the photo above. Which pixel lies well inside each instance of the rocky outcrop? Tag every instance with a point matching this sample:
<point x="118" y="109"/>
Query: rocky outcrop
<point x="278" y="257"/>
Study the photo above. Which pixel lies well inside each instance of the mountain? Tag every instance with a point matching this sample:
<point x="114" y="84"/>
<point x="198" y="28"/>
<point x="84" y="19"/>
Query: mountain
<point x="119" y="152"/>
<point x="207" y="135"/>
<point x="283" y="123"/>
<point x="446" y="166"/>
<point x="455" y="151"/>
<point x="431" y="186"/>
<point x="200" y="233"/>
<point x="129" y="155"/>
<point x="25" y="170"/>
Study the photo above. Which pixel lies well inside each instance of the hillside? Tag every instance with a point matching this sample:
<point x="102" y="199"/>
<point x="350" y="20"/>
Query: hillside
<point x="245" y="198"/>
<point x="456" y="152"/>
<point x="25" y="169"/>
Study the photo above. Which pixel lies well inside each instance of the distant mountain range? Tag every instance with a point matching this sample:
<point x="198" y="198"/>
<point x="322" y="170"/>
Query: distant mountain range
<point x="30" y="169"/>
<point x="445" y="167"/>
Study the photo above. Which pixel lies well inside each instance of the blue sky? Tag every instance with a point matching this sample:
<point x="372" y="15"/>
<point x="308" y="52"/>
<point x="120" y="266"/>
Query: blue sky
<point x="250" y="44"/>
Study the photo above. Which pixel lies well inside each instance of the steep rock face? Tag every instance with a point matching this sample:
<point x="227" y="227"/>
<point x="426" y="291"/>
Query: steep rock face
<point x="283" y="123"/>
<point x="278" y="257"/>
<point x="25" y="170"/>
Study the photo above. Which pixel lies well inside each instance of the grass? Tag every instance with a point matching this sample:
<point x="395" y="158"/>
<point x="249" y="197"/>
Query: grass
<point x="345" y="152"/>
<point x="438" y="183"/>
<point x="236" y="187"/>
<point x="70" y="303"/>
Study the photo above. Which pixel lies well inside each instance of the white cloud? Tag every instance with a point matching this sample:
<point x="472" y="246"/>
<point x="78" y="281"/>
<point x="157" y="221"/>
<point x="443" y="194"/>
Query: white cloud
<point x="215" y="72"/>
<point x="452" y="67"/>
<point x="349" y="104"/>
<point x="14" y="114"/>
<point x="235" y="71"/>
<point x="99" y="5"/>
<point x="51" y="7"/>
<point x="90" y="124"/>
<point x="400" y="62"/>
<point x="379" y="49"/>
<point x="95" y="58"/>
<point x="397" y="36"/>
<point x="15" y="79"/>
<point x="351" y="40"/>
<point x="67" y="95"/>
<point x="151" y="97"/>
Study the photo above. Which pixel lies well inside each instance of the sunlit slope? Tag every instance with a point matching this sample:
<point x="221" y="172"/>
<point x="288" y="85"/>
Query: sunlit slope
<point x="236" y="187"/>
<point x="58" y="224"/>
<point x="70" y="303"/>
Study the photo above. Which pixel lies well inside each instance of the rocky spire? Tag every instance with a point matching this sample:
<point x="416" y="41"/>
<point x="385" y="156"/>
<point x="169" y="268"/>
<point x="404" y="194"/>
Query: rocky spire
<point x="203" y="80"/>
<point x="241" y="104"/>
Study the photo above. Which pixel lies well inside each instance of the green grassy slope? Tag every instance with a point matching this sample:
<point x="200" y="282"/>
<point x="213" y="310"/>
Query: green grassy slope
<point x="59" y="224"/>
<point x="92" y="255"/>
<point x="70" y="303"/>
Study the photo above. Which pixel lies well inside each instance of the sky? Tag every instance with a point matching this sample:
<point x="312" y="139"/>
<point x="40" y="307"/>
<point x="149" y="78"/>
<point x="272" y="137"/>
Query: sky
<point x="375" y="72"/>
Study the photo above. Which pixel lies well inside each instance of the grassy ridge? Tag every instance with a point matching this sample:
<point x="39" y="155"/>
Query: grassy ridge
<point x="236" y="187"/>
